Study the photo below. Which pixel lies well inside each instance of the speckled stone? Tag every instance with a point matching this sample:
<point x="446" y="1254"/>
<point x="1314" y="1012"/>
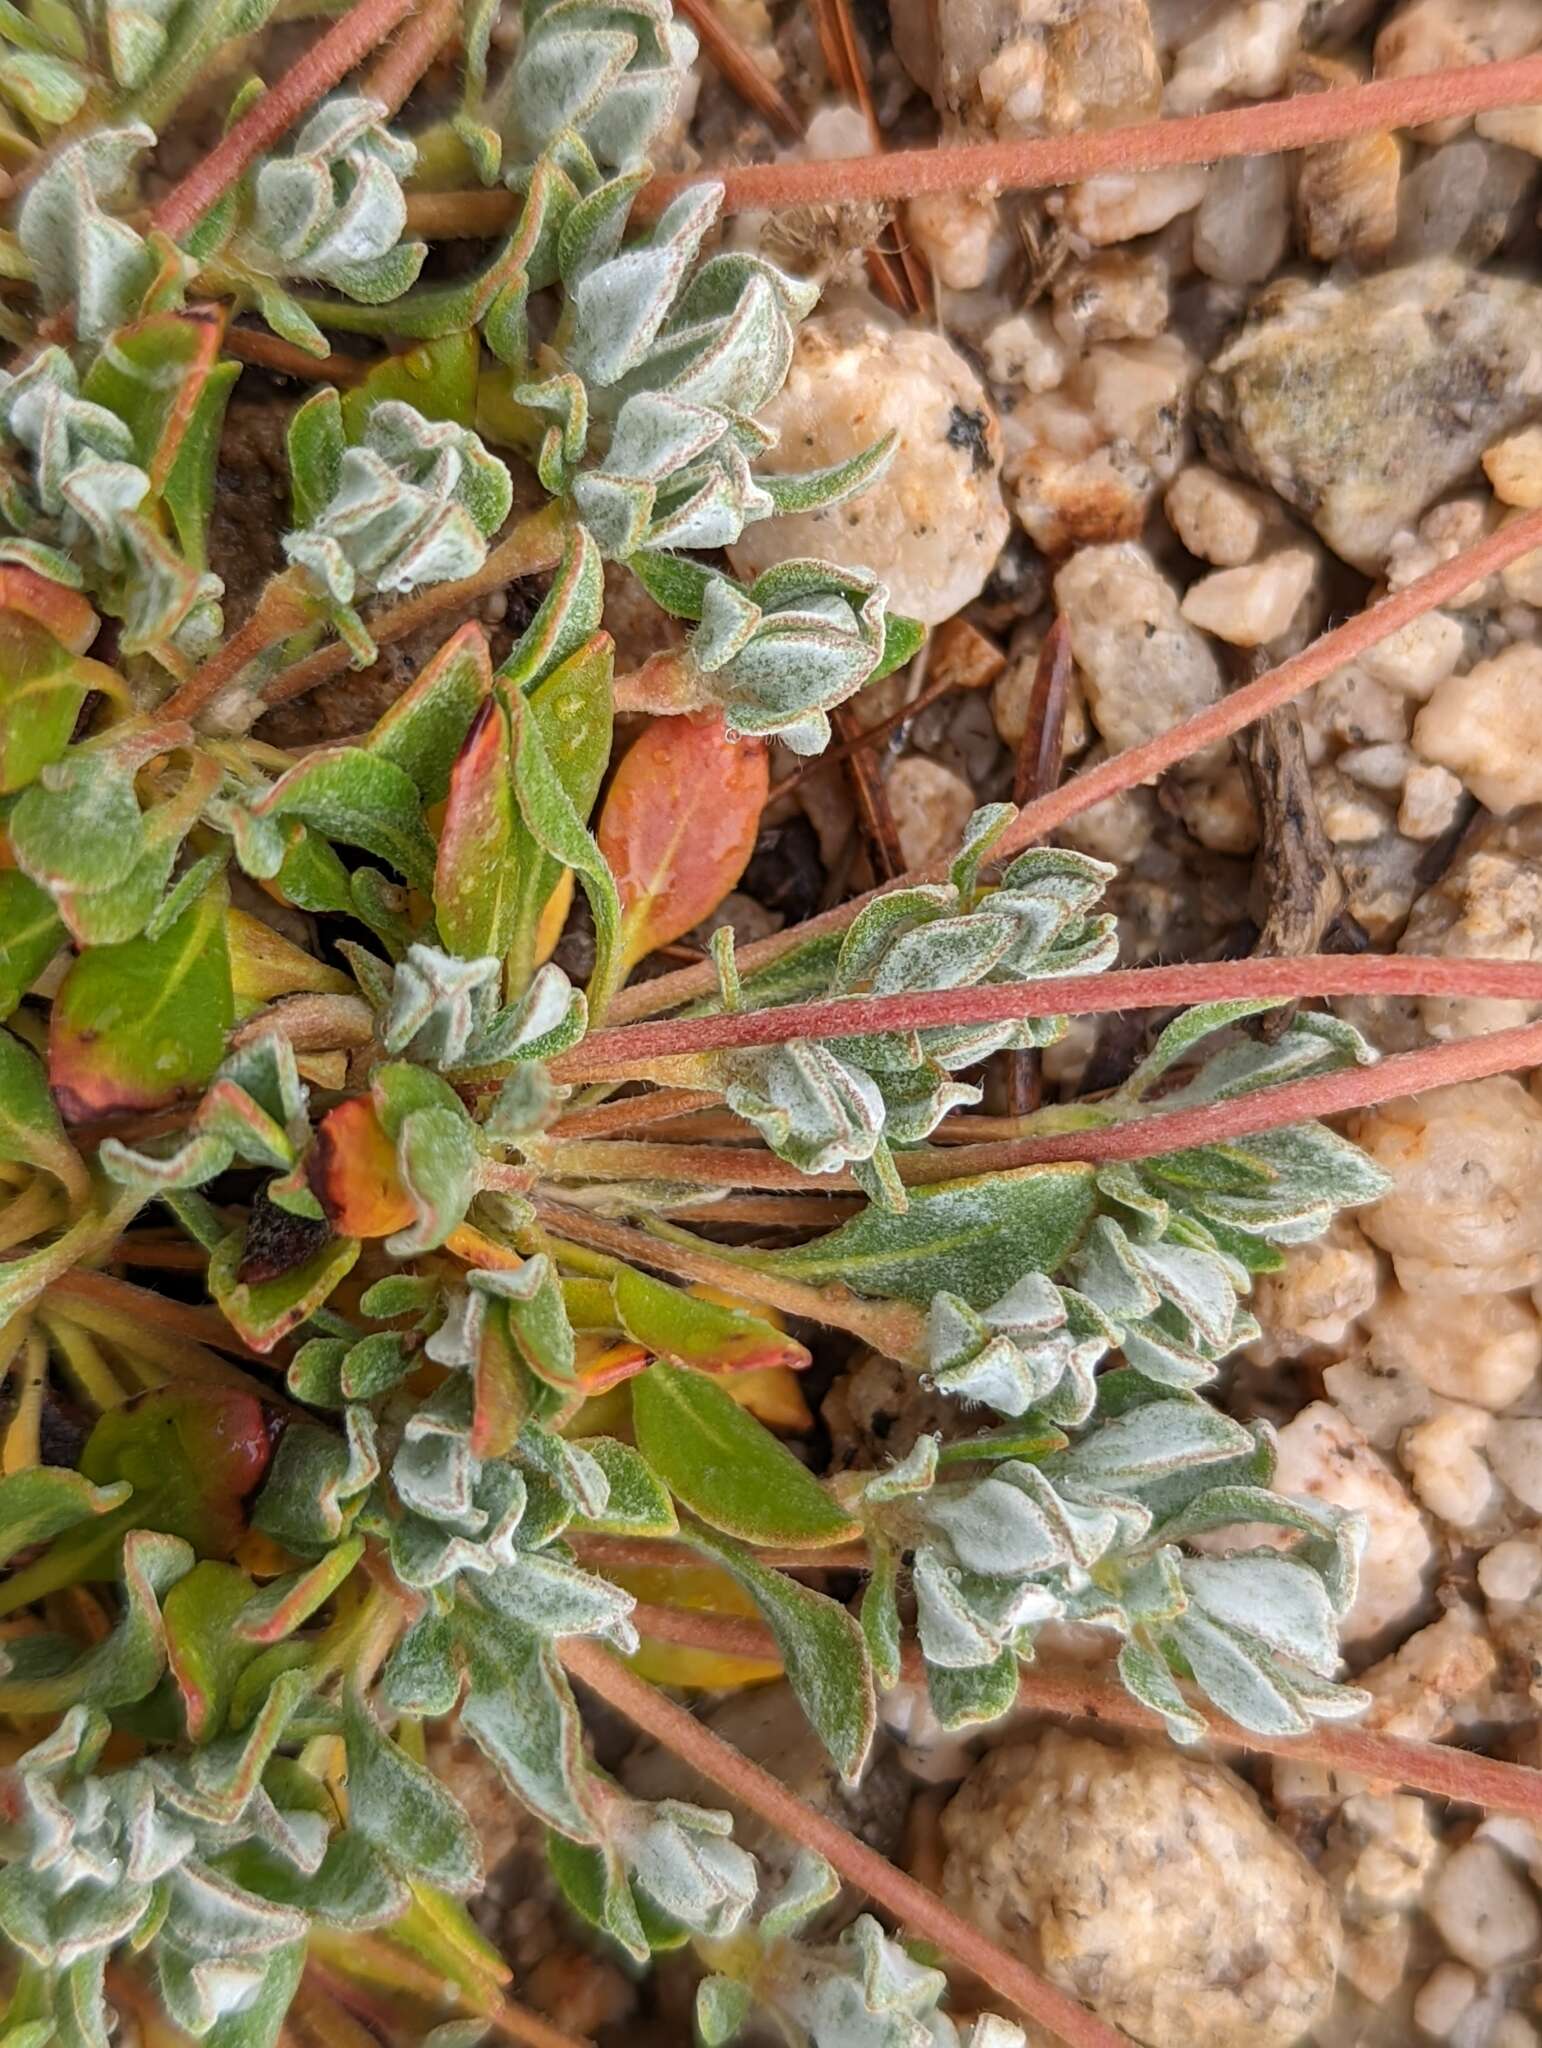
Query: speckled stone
<point x="1361" y="403"/>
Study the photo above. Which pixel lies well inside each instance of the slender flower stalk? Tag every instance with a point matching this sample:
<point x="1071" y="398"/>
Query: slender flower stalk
<point x="1259" y="129"/>
<point x="1332" y="650"/>
<point x="611" y="1055"/>
<point x="1438" y="1769"/>
<point x="910" y="1903"/>
<point x="331" y="57"/>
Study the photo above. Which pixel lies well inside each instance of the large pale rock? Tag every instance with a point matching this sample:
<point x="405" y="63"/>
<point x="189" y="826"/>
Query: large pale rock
<point x="933" y="524"/>
<point x="1149" y="1884"/>
<point x="1361" y="403"/>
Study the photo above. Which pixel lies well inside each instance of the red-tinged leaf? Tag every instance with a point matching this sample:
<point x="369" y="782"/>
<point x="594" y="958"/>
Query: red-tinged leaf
<point x="193" y="1456"/>
<point x="353" y="1172"/>
<point x="278" y="1610"/>
<point x="202" y="1655"/>
<point x="500" y="1398"/>
<point x="152" y="375"/>
<point x="705" y="1334"/>
<point x="137" y="1026"/>
<point x="423" y="730"/>
<point x="475" y="898"/>
<point x="679" y="826"/>
<point x="42" y="687"/>
<point x="63" y="612"/>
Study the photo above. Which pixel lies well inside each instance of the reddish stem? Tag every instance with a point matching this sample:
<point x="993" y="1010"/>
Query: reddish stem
<point x="632" y="1112"/>
<point x="280" y="611"/>
<point x="329" y="58"/>
<point x="909" y="1902"/>
<point x="621" y="1052"/>
<point x="1254" y="130"/>
<point x="1431" y="1767"/>
<point x="1334" y="650"/>
<point x="152" y="1311"/>
<point x="402" y="63"/>
<point x="272" y="352"/>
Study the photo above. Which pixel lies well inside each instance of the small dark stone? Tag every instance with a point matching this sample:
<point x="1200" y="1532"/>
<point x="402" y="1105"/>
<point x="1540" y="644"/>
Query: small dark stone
<point x="785" y="872"/>
<point x="968" y="430"/>
<point x="62" y="1431"/>
<point x="277" y="1242"/>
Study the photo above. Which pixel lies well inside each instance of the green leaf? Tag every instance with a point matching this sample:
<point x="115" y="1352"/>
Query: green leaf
<point x="972" y="1238"/>
<point x="192" y="1455"/>
<point x="880" y="1616"/>
<point x="902" y="640"/>
<point x="587" y="1882"/>
<point x="425" y="728"/>
<point x="124" y="1666"/>
<point x="261" y="2023"/>
<point x="204" y="1655"/>
<point x="42" y="687"/>
<point x="822" y="1647"/>
<point x="39" y="1504"/>
<point x="316" y="444"/>
<point x="30" y="1130"/>
<point x="639" y="1505"/>
<point x="188" y="493"/>
<point x="810" y="489"/>
<point x="404" y="1810"/>
<point x="30" y="935"/>
<point x="727" y="1467"/>
<point x="437" y="379"/>
<point x="970" y="1698"/>
<point x="520" y="1712"/>
<point x="562" y="748"/>
<point x="137" y="1025"/>
<point x="704" y="1334"/>
<point x="362" y="799"/>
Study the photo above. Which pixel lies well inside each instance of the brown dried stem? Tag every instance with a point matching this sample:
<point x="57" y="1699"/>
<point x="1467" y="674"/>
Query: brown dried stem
<point x="1256" y="130"/>
<point x="910" y="1903"/>
<point x="1431" y="1767"/>
<point x="739" y="68"/>
<point x="331" y="57"/>
<point x="1333" y="650"/>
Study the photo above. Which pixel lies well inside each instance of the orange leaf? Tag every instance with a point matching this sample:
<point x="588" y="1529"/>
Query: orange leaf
<point x="65" y="613"/>
<point x="679" y="826"/>
<point x="352" y="1173"/>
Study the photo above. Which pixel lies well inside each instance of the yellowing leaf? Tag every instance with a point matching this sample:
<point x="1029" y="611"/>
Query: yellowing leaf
<point x="265" y="965"/>
<point x="679" y="826"/>
<point x="703" y="1589"/>
<point x="549" y="924"/>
